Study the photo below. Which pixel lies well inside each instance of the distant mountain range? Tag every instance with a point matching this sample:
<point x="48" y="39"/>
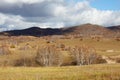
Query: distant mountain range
<point x="33" y="31"/>
<point x="85" y="30"/>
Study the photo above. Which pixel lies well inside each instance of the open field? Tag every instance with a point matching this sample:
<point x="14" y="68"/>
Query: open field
<point x="102" y="47"/>
<point x="108" y="47"/>
<point x="59" y="40"/>
<point x="91" y="72"/>
<point x="22" y="47"/>
<point x="26" y="46"/>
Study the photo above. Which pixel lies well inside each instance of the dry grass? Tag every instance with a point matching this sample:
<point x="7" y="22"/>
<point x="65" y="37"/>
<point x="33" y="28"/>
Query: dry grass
<point x="100" y="46"/>
<point x="24" y="45"/>
<point x="92" y="72"/>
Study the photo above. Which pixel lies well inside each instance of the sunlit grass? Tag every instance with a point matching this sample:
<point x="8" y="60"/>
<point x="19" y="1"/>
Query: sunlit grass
<point x="91" y="72"/>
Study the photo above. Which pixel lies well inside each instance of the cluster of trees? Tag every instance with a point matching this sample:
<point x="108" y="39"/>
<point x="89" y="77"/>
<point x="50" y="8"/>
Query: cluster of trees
<point x="51" y="55"/>
<point x="82" y="55"/>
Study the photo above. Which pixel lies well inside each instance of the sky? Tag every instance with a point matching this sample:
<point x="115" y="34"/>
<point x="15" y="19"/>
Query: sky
<point x="21" y="14"/>
<point x="106" y="4"/>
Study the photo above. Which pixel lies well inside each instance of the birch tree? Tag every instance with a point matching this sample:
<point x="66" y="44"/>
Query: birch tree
<point x="83" y="55"/>
<point x="48" y="56"/>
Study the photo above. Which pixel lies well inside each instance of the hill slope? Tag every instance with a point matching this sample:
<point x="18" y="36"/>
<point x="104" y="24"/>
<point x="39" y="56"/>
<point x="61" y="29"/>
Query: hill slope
<point x="85" y="30"/>
<point x="116" y="29"/>
<point x="33" y="31"/>
<point x="89" y="29"/>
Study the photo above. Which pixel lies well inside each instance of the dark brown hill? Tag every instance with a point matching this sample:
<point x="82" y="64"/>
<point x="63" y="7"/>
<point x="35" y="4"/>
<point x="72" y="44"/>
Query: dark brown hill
<point x="33" y="31"/>
<point x="115" y="29"/>
<point x="85" y="30"/>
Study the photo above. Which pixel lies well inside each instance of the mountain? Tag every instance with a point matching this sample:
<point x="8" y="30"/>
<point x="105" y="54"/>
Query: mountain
<point x="88" y="29"/>
<point x="115" y="28"/>
<point x="85" y="30"/>
<point x="33" y="31"/>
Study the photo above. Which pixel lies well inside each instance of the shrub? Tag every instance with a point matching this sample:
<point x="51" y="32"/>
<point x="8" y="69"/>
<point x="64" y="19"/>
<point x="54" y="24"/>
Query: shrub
<point x="4" y="50"/>
<point x="118" y="60"/>
<point x="12" y="46"/>
<point x="25" y="59"/>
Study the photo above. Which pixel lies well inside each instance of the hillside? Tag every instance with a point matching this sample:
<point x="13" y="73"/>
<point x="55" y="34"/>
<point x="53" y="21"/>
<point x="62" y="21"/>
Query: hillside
<point x="116" y="29"/>
<point x="89" y="29"/>
<point x="85" y="30"/>
<point x="33" y="31"/>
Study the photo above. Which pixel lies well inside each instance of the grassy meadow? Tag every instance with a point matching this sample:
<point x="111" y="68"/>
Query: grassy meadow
<point x="91" y="72"/>
<point x="27" y="47"/>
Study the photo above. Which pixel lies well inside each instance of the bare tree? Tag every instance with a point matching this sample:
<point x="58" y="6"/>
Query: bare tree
<point x="48" y="56"/>
<point x="91" y="56"/>
<point x="83" y="55"/>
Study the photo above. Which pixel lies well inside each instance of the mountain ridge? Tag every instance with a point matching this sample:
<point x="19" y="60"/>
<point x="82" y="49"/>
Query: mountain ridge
<point x="85" y="30"/>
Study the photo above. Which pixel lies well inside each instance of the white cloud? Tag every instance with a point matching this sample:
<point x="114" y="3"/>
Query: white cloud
<point x="82" y="13"/>
<point x="28" y="1"/>
<point x="10" y="22"/>
<point x="52" y="13"/>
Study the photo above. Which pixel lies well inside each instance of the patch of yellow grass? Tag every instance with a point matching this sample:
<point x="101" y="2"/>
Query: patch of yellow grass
<point x="92" y="72"/>
<point x="100" y="46"/>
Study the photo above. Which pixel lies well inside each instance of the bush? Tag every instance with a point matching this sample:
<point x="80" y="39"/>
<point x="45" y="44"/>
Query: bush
<point x="4" y="50"/>
<point x="99" y="60"/>
<point x="118" y="60"/>
<point x="12" y="46"/>
<point x="25" y="59"/>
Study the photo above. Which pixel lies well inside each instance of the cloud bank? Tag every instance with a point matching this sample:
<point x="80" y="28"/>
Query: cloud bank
<point x="19" y="14"/>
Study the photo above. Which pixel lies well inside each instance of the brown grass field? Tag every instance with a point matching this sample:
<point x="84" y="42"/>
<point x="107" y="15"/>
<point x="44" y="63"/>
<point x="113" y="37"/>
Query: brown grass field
<point x="104" y="47"/>
<point x="91" y="72"/>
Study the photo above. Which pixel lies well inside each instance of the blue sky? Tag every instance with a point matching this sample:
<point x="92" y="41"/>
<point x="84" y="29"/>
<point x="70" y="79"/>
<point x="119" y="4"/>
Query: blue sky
<point x="106" y="4"/>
